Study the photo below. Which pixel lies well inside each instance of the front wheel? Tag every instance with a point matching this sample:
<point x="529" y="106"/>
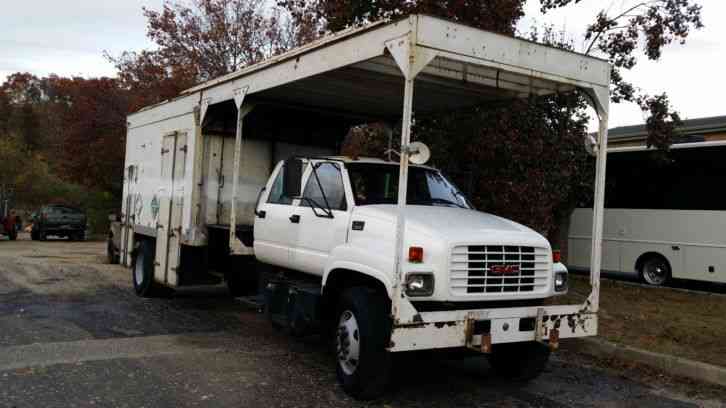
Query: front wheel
<point x="362" y="335"/>
<point x="519" y="361"/>
<point x="142" y="272"/>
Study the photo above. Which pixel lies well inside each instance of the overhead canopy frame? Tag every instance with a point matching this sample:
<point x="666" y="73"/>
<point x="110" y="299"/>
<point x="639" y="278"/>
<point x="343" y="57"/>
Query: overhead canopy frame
<point x="368" y="73"/>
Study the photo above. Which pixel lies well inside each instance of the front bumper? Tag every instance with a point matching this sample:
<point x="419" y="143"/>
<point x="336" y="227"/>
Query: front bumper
<point x="479" y="329"/>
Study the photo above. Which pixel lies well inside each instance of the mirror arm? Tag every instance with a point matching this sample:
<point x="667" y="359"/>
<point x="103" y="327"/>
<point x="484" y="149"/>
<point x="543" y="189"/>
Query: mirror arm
<point x="314" y="206"/>
<point x="327" y="208"/>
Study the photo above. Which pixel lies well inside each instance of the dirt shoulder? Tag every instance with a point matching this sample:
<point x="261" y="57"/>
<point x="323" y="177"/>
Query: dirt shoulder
<point x="662" y="320"/>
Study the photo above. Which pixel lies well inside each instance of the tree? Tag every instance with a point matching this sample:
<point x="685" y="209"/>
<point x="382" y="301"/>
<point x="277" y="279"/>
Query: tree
<point x="94" y="137"/>
<point x="513" y="140"/>
<point x="495" y="15"/>
<point x="619" y="35"/>
<point x="205" y="39"/>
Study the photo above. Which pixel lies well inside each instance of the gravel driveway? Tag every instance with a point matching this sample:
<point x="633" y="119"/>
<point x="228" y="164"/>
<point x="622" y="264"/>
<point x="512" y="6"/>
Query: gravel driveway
<point x="72" y="333"/>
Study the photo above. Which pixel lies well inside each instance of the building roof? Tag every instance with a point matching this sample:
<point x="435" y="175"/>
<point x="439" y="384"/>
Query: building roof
<point x="691" y="127"/>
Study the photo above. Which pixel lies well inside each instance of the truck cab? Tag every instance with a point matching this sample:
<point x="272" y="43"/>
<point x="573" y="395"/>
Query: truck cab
<point x="345" y="218"/>
<point x="335" y="219"/>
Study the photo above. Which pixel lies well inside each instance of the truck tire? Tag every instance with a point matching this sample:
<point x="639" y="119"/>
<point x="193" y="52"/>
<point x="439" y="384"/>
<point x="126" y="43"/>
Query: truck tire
<point x="362" y="335"/>
<point x="112" y="256"/>
<point x="241" y="277"/>
<point x="34" y="235"/>
<point x="142" y="272"/>
<point x="519" y="361"/>
<point x="13" y="235"/>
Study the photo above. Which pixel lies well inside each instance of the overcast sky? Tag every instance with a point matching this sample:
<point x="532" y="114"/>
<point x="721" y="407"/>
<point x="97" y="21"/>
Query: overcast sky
<point x="69" y="38"/>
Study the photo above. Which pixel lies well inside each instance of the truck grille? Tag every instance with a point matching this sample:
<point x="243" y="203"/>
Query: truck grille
<point x="498" y="269"/>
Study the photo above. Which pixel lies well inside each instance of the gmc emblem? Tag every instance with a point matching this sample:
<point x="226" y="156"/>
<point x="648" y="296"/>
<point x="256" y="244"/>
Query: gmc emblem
<point x="505" y="269"/>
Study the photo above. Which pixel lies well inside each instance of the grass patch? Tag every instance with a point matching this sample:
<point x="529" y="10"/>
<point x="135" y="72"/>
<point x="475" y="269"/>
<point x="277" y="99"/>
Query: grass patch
<point x="662" y="320"/>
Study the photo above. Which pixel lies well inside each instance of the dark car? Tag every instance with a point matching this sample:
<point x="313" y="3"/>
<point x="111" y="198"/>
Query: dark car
<point x="59" y="221"/>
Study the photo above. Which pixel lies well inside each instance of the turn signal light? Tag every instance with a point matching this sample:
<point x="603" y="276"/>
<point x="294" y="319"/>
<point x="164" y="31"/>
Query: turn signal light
<point x="415" y="254"/>
<point x="556" y="256"/>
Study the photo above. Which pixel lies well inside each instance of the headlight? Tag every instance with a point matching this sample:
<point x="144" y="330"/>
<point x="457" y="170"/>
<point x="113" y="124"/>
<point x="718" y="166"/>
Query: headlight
<point x="560" y="281"/>
<point x="419" y="284"/>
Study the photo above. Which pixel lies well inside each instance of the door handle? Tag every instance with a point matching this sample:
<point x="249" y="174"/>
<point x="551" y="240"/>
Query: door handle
<point x="295" y="219"/>
<point x="261" y="214"/>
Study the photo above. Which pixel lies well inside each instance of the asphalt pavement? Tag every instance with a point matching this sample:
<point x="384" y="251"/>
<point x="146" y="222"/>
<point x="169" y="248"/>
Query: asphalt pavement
<point x="73" y="334"/>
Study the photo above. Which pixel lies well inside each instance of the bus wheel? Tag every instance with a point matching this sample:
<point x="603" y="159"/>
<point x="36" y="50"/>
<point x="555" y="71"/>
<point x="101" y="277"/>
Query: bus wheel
<point x="655" y="270"/>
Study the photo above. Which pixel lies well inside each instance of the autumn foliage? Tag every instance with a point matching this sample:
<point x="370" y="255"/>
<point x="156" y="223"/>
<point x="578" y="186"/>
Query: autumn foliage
<point x="523" y="160"/>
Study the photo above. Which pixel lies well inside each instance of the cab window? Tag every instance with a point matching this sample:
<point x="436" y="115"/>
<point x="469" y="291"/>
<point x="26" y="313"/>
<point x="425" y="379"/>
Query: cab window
<point x="331" y="182"/>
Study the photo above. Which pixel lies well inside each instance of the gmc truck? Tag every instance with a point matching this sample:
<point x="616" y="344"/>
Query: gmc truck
<point x="240" y="180"/>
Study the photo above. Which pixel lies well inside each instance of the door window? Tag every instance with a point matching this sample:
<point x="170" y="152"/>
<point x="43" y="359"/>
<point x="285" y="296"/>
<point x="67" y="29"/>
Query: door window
<point x="331" y="182"/>
<point x="276" y="192"/>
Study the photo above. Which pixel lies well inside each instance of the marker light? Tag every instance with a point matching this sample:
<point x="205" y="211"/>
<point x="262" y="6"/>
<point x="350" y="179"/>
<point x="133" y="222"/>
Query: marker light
<point x="415" y="254"/>
<point x="556" y="256"/>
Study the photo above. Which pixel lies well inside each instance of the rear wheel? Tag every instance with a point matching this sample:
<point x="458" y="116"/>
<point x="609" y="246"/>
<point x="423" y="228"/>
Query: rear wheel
<point x="13" y="234"/>
<point x="519" y="361"/>
<point x="142" y="272"/>
<point x="655" y="270"/>
<point x="111" y="255"/>
<point x="362" y="335"/>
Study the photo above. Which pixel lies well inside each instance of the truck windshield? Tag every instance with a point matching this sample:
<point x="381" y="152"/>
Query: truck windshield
<point x="378" y="184"/>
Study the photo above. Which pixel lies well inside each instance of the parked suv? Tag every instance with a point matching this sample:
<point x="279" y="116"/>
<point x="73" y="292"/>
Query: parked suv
<point x="59" y="221"/>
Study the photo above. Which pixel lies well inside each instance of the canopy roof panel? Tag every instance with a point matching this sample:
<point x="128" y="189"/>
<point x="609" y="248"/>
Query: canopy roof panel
<point x="361" y="71"/>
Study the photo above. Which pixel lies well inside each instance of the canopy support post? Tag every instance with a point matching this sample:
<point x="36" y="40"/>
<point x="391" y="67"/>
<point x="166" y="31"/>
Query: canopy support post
<point x="235" y="245"/>
<point x="398" y="292"/>
<point x="601" y="99"/>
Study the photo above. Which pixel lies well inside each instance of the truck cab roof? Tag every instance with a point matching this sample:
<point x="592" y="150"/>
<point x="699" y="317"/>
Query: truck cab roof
<point x="366" y="160"/>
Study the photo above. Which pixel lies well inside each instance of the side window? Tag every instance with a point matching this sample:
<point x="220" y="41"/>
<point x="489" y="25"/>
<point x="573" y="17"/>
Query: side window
<point x="332" y="182"/>
<point x="276" y="196"/>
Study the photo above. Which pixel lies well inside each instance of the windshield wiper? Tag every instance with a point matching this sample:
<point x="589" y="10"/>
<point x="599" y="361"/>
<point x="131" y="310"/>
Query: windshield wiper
<point x="315" y="205"/>
<point x="445" y="201"/>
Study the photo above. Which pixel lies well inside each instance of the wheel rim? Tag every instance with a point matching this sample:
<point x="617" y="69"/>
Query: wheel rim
<point x="348" y="342"/>
<point x="139" y="268"/>
<point x="655" y="272"/>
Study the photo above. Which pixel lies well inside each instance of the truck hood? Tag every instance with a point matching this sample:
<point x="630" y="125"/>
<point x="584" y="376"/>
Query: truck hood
<point x="456" y="224"/>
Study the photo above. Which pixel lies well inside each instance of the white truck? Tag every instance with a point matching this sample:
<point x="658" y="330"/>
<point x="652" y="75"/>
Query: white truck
<point x="239" y="180"/>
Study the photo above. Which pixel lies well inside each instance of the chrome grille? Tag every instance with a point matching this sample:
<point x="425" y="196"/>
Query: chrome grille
<point x="483" y="269"/>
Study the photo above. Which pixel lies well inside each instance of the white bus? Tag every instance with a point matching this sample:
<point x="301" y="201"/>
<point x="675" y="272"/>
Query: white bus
<point x="664" y="218"/>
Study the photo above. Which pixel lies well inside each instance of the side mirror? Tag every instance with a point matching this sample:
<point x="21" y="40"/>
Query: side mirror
<point x="292" y="178"/>
<point x="260" y="214"/>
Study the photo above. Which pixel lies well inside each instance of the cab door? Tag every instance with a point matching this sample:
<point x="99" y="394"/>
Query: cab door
<point x="322" y="217"/>
<point x="275" y="226"/>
